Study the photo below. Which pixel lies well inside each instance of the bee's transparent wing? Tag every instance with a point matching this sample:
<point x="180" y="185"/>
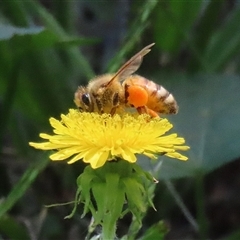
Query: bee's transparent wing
<point x="131" y="65"/>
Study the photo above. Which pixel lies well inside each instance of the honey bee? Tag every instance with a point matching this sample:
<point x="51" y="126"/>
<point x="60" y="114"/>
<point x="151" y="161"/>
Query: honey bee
<point x="113" y="93"/>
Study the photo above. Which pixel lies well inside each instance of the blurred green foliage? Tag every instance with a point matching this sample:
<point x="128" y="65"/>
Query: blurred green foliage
<point x="47" y="49"/>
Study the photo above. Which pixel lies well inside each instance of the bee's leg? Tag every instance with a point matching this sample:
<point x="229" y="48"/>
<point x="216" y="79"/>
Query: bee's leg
<point x="146" y="110"/>
<point x="99" y="104"/>
<point x="115" y="102"/>
<point x="142" y="110"/>
<point x="152" y="113"/>
<point x="113" y="110"/>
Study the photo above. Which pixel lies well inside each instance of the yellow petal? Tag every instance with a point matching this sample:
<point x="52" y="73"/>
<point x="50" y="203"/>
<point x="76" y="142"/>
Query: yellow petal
<point x="95" y="138"/>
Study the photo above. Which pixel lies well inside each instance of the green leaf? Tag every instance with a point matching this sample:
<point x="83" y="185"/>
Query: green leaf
<point x="48" y="20"/>
<point x="224" y="43"/>
<point x="46" y="39"/>
<point x="234" y="235"/>
<point x="173" y="19"/>
<point x="156" y="231"/>
<point x="14" y="12"/>
<point x="77" y="41"/>
<point x="207" y="22"/>
<point x="12" y="229"/>
<point x="34" y="38"/>
<point x="208" y="119"/>
<point x="134" y="34"/>
<point x="8" y="31"/>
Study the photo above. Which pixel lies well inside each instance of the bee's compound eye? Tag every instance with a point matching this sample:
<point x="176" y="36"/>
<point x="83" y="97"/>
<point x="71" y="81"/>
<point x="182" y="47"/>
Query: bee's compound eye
<point x="86" y="99"/>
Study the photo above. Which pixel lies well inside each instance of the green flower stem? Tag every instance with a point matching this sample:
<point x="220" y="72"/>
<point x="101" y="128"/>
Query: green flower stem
<point x="109" y="228"/>
<point x="201" y="214"/>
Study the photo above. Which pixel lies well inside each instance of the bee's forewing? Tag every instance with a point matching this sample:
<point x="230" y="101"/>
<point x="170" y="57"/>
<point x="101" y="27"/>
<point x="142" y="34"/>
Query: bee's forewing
<point x="131" y="65"/>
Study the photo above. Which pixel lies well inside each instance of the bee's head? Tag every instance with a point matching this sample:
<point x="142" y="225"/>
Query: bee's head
<point x="83" y="100"/>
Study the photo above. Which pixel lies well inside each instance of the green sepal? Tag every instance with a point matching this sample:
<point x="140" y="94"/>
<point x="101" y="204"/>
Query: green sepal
<point x="135" y="194"/>
<point x="147" y="184"/>
<point x="143" y="173"/>
<point x="84" y="182"/>
<point x="106" y="190"/>
<point x="76" y="202"/>
<point x="83" y="192"/>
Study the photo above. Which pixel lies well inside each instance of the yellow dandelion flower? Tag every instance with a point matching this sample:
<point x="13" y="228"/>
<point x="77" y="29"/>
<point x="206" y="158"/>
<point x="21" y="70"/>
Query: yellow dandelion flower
<point x="96" y="138"/>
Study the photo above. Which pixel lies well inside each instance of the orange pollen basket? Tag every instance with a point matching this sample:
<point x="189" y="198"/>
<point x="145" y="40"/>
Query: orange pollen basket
<point x="138" y="96"/>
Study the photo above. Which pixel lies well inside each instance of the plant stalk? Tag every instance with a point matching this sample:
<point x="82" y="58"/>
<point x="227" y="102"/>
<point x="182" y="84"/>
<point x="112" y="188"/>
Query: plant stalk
<point x="200" y="207"/>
